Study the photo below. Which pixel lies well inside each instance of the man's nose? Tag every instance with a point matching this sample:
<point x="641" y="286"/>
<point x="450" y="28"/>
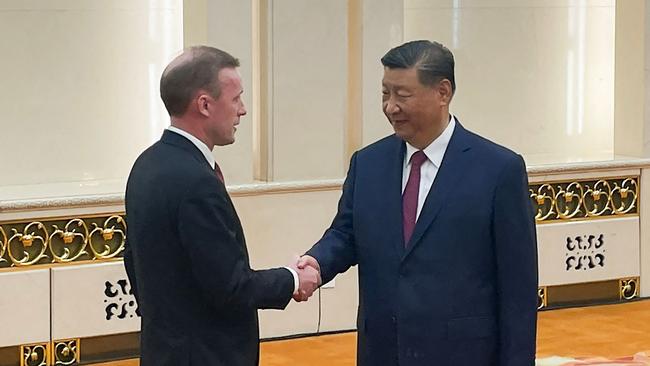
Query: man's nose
<point x="390" y="107"/>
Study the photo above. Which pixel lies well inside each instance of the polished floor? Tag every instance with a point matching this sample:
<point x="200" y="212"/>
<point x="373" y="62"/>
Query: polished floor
<point x="609" y="331"/>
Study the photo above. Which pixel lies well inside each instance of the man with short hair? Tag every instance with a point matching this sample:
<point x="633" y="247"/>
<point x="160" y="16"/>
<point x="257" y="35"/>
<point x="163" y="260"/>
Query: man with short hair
<point x="440" y="223"/>
<point x="186" y="255"/>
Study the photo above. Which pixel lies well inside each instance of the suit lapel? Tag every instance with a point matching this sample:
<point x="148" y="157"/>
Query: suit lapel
<point x="449" y="173"/>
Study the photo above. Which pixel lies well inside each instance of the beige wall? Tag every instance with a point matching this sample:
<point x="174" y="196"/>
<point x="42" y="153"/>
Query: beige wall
<point x="279" y="227"/>
<point x="309" y="88"/>
<point x="79" y="90"/>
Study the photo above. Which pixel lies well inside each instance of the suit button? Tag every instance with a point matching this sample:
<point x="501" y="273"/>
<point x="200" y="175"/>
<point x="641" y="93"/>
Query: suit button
<point x="393" y="319"/>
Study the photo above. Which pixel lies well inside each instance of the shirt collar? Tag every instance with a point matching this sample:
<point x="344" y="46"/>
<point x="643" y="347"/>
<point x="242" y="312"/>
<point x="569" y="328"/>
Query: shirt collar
<point x="203" y="148"/>
<point x="436" y="149"/>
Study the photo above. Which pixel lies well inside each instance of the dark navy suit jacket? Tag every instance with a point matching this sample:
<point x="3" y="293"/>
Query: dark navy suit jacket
<point x="463" y="291"/>
<point x="187" y="261"/>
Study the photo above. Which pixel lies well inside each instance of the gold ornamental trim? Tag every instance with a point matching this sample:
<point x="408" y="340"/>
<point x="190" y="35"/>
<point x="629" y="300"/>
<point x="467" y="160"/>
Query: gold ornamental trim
<point x="542" y="300"/>
<point x="35" y="354"/>
<point x="3" y="245"/>
<point x="585" y="199"/>
<point x="61" y="241"/>
<point x="65" y="352"/>
<point x="628" y="288"/>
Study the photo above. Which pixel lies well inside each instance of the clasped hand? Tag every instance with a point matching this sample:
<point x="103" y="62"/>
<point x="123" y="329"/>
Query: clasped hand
<point x="308" y="271"/>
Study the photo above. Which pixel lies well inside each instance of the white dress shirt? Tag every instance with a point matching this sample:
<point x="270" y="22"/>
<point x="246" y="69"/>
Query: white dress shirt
<point x="203" y="148"/>
<point x="429" y="169"/>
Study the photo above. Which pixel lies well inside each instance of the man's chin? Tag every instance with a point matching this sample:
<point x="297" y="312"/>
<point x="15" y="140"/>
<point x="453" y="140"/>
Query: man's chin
<point x="401" y="134"/>
<point x="226" y="142"/>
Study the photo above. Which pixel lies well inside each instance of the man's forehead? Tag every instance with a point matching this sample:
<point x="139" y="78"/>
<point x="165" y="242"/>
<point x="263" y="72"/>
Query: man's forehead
<point x="399" y="77"/>
<point x="230" y="77"/>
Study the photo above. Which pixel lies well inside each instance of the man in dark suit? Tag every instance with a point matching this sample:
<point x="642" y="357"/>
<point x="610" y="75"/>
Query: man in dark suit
<point x="440" y="223"/>
<point x="186" y="256"/>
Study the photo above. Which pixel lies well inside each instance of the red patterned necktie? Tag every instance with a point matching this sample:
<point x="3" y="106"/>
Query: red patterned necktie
<point x="218" y="173"/>
<point x="410" y="196"/>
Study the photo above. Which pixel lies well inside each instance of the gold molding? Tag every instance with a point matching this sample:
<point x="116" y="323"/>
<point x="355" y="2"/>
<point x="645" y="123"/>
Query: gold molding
<point x="3" y="244"/>
<point x="33" y="246"/>
<point x="63" y="218"/>
<point x="51" y="242"/>
<point x="585" y="199"/>
<point x="65" y="352"/>
<point x="542" y="299"/>
<point x="37" y="354"/>
<point x="108" y="234"/>
<point x="585" y="293"/>
<point x="628" y="288"/>
<point x="69" y="237"/>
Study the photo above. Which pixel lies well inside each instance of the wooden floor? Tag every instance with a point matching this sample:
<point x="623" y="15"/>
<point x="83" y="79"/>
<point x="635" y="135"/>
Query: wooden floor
<point x="608" y="331"/>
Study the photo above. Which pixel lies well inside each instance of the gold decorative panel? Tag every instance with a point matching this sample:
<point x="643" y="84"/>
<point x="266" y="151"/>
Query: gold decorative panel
<point x="629" y="288"/>
<point x="35" y="355"/>
<point x="65" y="352"/>
<point x="585" y="199"/>
<point x="541" y="298"/>
<point x="61" y="241"/>
<point x="3" y="244"/>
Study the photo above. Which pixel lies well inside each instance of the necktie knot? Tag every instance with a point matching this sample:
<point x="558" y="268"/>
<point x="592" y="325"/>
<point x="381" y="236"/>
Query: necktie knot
<point x="418" y="159"/>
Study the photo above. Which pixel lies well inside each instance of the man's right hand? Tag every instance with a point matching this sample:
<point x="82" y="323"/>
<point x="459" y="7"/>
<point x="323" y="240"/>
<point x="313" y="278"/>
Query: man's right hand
<point x="309" y="276"/>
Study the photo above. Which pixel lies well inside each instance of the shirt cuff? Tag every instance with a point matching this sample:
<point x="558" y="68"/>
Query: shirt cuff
<point x="296" y="280"/>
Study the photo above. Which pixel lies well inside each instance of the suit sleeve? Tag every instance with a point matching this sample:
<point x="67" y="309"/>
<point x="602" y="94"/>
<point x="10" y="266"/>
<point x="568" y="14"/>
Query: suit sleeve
<point x="208" y="232"/>
<point x="516" y="256"/>
<point x="336" y="251"/>
<point x="130" y="270"/>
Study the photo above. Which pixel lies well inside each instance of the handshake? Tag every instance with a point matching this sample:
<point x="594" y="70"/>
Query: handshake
<point x="308" y="271"/>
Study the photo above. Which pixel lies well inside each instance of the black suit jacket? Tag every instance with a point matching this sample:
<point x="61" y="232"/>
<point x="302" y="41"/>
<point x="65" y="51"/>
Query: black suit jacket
<point x="187" y="261"/>
<point x="463" y="291"/>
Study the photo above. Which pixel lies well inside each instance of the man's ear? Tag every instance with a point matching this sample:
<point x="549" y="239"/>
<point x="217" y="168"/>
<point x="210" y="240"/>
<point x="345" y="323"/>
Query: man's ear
<point x="202" y="102"/>
<point x="445" y="91"/>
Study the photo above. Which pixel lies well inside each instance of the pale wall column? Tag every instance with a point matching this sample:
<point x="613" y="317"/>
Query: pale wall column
<point x="631" y="135"/>
<point x="227" y="25"/>
<point x="536" y="76"/>
<point x="383" y="29"/>
<point x="644" y="235"/>
<point x="309" y="81"/>
<point x="645" y="173"/>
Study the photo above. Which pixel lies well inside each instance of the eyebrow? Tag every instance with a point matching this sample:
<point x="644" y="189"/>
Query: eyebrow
<point x="394" y="86"/>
